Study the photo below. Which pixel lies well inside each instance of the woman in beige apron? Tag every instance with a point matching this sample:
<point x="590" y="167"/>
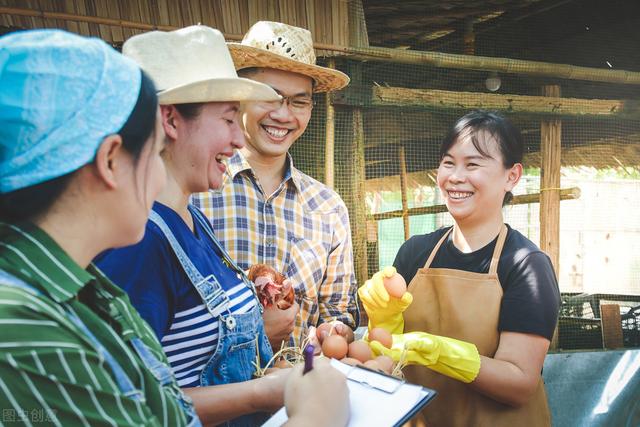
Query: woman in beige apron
<point x="482" y="301"/>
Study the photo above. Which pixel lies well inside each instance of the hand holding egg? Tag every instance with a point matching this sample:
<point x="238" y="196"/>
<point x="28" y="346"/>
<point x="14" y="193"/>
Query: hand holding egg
<point x="395" y="285"/>
<point x="384" y="298"/>
<point x="386" y="287"/>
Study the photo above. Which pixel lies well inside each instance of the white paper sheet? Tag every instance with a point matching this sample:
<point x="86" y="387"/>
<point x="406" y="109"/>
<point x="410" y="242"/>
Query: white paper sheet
<point x="370" y="406"/>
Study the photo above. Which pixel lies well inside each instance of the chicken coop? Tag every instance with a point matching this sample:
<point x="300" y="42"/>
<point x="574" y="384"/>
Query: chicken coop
<point x="567" y="73"/>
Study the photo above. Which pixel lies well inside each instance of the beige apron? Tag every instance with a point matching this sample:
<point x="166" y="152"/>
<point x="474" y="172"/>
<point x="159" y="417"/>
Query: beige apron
<point x="466" y="306"/>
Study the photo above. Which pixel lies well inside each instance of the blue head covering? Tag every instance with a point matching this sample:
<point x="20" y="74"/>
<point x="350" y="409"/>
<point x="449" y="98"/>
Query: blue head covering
<point x="60" y="95"/>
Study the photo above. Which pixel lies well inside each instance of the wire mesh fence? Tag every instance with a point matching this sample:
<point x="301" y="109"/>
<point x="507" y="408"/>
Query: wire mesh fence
<point x="386" y="156"/>
<point x="389" y="123"/>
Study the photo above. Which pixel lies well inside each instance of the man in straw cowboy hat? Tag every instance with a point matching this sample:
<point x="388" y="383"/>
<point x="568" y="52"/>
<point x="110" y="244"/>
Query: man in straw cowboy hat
<point x="269" y="211"/>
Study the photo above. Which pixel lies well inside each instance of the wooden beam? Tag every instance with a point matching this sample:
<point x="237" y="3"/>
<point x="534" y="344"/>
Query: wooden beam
<point x="523" y="199"/>
<point x="381" y="54"/>
<point x="485" y="63"/>
<point x="403" y="191"/>
<point x="550" y="153"/>
<point x="611" y="326"/>
<point x="330" y="137"/>
<point x="443" y="99"/>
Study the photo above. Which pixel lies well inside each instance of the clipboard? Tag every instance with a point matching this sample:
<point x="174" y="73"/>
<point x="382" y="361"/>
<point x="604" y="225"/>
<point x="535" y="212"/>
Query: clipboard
<point x="376" y="399"/>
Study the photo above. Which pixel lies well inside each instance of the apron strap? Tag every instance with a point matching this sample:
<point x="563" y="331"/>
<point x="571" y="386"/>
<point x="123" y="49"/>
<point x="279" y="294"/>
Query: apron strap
<point x="495" y="258"/>
<point x="432" y="255"/>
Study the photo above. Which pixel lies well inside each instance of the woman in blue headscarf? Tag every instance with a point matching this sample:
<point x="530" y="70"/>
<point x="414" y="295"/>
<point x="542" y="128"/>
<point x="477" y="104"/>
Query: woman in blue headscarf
<point x="79" y="137"/>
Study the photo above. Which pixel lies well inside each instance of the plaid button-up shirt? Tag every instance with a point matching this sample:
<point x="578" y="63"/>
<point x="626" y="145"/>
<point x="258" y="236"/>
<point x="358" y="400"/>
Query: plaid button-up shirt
<point x="302" y="230"/>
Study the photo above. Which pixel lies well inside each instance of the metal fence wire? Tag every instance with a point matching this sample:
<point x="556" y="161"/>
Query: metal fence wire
<point x="386" y="155"/>
<point x="384" y="131"/>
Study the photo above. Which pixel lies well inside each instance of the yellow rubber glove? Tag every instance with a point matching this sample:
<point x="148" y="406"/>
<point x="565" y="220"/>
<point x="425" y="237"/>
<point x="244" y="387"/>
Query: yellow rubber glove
<point x="457" y="359"/>
<point x="383" y="310"/>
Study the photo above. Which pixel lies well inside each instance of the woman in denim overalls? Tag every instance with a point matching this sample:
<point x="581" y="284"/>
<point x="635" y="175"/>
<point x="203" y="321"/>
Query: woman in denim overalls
<point x="179" y="277"/>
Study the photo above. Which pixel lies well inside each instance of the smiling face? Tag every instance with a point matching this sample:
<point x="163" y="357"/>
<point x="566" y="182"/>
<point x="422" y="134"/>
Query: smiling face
<point x="201" y="145"/>
<point x="474" y="184"/>
<point x="271" y="128"/>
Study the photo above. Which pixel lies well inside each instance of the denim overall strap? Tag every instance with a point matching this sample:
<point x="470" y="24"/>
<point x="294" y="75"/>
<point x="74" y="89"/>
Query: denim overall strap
<point x="206" y="225"/>
<point x="122" y="379"/>
<point x="163" y="374"/>
<point x="212" y="294"/>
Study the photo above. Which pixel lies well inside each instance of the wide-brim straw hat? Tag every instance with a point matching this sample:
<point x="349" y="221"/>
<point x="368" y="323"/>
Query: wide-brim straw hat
<point x="284" y="47"/>
<point x="193" y="65"/>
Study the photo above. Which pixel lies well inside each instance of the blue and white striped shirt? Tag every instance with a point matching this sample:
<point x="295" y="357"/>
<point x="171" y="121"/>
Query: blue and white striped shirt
<point x="162" y="293"/>
<point x="193" y="336"/>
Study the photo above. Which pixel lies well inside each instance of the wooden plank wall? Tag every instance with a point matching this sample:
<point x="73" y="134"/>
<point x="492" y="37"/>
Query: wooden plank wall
<point x="328" y="20"/>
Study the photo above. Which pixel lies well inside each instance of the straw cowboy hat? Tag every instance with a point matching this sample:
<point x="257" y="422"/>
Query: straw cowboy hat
<point x="284" y="47"/>
<point x="193" y="64"/>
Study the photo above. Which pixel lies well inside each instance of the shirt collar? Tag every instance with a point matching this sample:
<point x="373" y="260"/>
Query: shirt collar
<point x="239" y="163"/>
<point x="36" y="258"/>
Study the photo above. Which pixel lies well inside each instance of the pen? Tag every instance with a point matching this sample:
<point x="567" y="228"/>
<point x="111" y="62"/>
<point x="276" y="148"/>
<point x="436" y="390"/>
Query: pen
<point x="308" y="358"/>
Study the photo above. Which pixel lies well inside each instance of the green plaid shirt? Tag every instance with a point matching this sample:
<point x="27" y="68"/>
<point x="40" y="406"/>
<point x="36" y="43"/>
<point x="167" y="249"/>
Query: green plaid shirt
<point x="48" y="371"/>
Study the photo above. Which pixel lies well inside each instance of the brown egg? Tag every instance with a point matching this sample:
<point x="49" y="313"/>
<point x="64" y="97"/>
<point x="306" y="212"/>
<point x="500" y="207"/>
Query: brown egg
<point x="335" y="346"/>
<point x="382" y="335"/>
<point x="322" y="329"/>
<point x="351" y="361"/>
<point x="360" y="350"/>
<point x="395" y="285"/>
<point x="372" y="364"/>
<point x="385" y="362"/>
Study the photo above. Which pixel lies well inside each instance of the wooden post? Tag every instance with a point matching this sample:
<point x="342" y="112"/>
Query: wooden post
<point x="330" y="132"/>
<point x="550" y="152"/>
<point x="403" y="191"/>
<point x="611" y="326"/>
<point x="360" y="212"/>
<point x="469" y="38"/>
<point x="373" y="255"/>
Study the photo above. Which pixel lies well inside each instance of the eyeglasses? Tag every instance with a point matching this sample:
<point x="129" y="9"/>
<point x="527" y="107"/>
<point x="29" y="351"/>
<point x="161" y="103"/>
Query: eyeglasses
<point x="296" y="103"/>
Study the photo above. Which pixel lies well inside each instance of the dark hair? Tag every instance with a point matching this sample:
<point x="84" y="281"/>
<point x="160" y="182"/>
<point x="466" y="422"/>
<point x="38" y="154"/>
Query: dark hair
<point x="509" y="138"/>
<point x="30" y="202"/>
<point x="190" y="111"/>
<point x="248" y="72"/>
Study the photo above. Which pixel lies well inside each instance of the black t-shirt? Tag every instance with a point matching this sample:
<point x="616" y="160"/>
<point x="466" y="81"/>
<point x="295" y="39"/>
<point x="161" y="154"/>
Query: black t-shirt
<point x="531" y="298"/>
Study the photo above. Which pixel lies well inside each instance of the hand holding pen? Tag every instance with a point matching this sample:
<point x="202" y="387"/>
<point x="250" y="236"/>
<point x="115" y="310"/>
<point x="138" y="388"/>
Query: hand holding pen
<point x="308" y="358"/>
<point x="317" y="396"/>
